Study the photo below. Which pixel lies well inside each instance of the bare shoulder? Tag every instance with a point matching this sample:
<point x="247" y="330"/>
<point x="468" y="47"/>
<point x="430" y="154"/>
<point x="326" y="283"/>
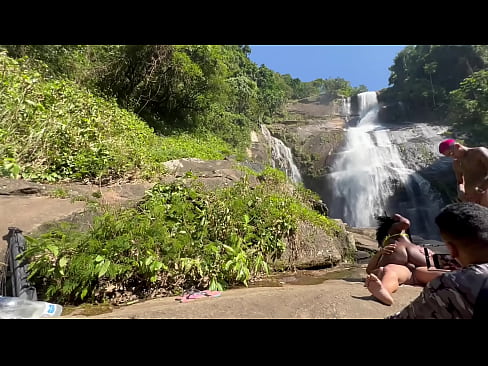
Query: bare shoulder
<point x="482" y="151"/>
<point x="479" y="153"/>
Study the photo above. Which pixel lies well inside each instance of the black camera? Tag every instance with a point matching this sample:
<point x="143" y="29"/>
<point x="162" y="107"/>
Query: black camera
<point x="445" y="261"/>
<point x="441" y="261"/>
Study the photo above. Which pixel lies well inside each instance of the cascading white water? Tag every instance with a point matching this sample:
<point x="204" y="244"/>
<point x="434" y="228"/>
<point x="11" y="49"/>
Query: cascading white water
<point x="370" y="171"/>
<point x="345" y="107"/>
<point x="282" y="157"/>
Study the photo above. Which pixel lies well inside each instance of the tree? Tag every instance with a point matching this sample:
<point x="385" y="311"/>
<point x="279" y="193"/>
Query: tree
<point x="272" y="95"/>
<point x="423" y="76"/>
<point x="469" y="104"/>
<point x="430" y="69"/>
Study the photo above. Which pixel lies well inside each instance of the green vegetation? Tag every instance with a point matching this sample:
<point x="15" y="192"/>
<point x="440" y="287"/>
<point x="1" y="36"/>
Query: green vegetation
<point x="101" y="113"/>
<point x="98" y="113"/>
<point x="445" y="84"/>
<point x="330" y="88"/>
<point x="177" y="237"/>
<point x="54" y="129"/>
<point x="468" y="110"/>
<point x="423" y="76"/>
<point x="112" y="112"/>
<point x="59" y="193"/>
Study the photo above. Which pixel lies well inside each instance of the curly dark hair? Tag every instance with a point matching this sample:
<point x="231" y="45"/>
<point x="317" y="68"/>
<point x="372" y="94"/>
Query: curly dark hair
<point x="384" y="225"/>
<point x="464" y="221"/>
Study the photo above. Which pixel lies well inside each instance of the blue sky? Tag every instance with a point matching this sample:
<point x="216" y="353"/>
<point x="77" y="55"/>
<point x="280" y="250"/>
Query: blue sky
<point x="361" y="64"/>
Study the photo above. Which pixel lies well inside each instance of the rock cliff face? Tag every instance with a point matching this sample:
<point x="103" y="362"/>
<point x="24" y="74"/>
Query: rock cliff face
<point x="313" y="129"/>
<point x="313" y="143"/>
<point x="314" y="248"/>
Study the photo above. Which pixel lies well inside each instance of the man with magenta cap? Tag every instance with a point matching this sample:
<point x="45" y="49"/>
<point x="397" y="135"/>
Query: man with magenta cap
<point x="470" y="165"/>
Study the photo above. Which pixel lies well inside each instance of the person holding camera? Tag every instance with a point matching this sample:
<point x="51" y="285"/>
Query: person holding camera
<point x="463" y="293"/>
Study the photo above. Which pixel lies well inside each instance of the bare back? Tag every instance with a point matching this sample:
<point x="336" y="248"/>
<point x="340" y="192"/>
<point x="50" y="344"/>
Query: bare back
<point x="473" y="166"/>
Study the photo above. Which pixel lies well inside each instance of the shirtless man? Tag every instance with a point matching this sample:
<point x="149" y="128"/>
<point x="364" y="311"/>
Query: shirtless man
<point x="399" y="261"/>
<point x="470" y="165"/>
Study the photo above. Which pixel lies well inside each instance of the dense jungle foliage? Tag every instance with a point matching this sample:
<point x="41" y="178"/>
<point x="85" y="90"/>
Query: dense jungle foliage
<point x="116" y="112"/>
<point x="105" y="112"/>
<point x="177" y="238"/>
<point x="443" y="83"/>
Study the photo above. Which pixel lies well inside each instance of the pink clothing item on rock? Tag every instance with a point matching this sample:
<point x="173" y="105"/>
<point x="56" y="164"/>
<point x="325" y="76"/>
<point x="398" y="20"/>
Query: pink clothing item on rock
<point x="445" y="145"/>
<point x="195" y="294"/>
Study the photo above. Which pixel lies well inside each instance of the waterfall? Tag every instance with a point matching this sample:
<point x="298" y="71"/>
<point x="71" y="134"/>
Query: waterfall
<point x="345" y="110"/>
<point x="369" y="178"/>
<point x="282" y="157"/>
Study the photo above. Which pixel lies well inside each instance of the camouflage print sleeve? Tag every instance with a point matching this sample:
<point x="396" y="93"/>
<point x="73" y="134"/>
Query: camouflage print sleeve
<point x="433" y="304"/>
<point x="446" y="297"/>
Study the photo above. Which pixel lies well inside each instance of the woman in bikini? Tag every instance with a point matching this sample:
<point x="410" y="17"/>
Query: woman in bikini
<point x="398" y="262"/>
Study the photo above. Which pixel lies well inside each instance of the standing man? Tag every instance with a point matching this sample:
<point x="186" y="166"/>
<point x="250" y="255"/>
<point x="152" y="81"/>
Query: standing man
<point x="470" y="165"/>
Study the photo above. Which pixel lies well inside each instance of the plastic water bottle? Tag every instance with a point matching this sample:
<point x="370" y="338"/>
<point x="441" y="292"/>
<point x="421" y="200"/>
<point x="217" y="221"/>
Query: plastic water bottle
<point x="17" y="308"/>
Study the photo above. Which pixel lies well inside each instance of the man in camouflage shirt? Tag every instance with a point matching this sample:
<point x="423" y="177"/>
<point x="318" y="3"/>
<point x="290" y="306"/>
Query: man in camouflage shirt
<point x="464" y="229"/>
